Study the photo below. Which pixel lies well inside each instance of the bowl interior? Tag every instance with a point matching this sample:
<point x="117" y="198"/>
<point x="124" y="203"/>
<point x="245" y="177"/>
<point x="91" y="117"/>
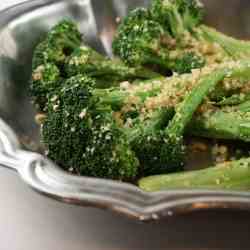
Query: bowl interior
<point x="19" y="34"/>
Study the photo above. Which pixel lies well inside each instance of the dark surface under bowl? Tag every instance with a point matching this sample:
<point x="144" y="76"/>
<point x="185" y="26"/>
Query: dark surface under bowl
<point x="21" y="28"/>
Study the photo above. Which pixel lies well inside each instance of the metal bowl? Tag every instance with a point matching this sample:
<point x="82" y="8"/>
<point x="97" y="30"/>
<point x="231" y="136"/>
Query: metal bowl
<point x="20" y="30"/>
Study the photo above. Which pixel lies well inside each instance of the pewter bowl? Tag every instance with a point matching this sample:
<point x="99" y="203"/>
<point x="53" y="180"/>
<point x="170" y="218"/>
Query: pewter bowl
<point x="20" y="30"/>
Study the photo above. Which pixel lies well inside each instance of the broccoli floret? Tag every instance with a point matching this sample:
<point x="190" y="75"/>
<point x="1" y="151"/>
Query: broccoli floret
<point x="182" y="19"/>
<point x="142" y="41"/>
<point x="177" y="16"/>
<point x="80" y="134"/>
<point x="79" y="112"/>
<point x="45" y="78"/>
<point x="138" y="40"/>
<point x="59" y="43"/>
<point x="85" y="60"/>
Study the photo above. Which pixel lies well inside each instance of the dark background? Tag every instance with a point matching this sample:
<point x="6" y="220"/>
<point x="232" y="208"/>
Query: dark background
<point x="230" y="16"/>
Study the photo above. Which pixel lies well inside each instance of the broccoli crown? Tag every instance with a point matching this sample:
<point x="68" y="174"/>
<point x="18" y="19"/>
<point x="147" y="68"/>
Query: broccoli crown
<point x="82" y="135"/>
<point x="159" y="154"/>
<point x="58" y="44"/>
<point x="44" y="53"/>
<point x="45" y="78"/>
<point x="176" y="16"/>
<point x="109" y="154"/>
<point x="65" y="35"/>
<point x="187" y="62"/>
<point x="138" y="40"/>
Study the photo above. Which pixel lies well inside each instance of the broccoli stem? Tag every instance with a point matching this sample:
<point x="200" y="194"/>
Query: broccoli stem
<point x="235" y="48"/>
<point x="156" y="86"/>
<point x="142" y="73"/>
<point x="86" y="60"/>
<point x="117" y="97"/>
<point x="114" y="67"/>
<point x="120" y="72"/>
<point x="186" y="109"/>
<point x="211" y="126"/>
<point x="221" y="124"/>
<point x="233" y="175"/>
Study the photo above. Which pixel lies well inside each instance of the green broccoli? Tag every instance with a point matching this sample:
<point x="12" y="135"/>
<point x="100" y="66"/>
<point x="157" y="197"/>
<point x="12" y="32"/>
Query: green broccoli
<point x="233" y="175"/>
<point x="228" y="122"/>
<point x="165" y="149"/>
<point x="178" y="16"/>
<point x="81" y="135"/>
<point x="142" y="41"/>
<point x="183" y="20"/>
<point x="59" y="43"/>
<point x="81" y="132"/>
<point x="45" y="78"/>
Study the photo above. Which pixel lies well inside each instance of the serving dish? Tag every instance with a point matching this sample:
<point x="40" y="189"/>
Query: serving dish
<point x="20" y="30"/>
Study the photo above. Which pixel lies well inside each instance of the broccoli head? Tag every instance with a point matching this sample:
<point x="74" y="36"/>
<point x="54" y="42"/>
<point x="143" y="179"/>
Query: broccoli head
<point x="45" y="78"/>
<point x="59" y="43"/>
<point x="80" y="134"/>
<point x="138" y="40"/>
<point x="142" y="41"/>
<point x="177" y="16"/>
